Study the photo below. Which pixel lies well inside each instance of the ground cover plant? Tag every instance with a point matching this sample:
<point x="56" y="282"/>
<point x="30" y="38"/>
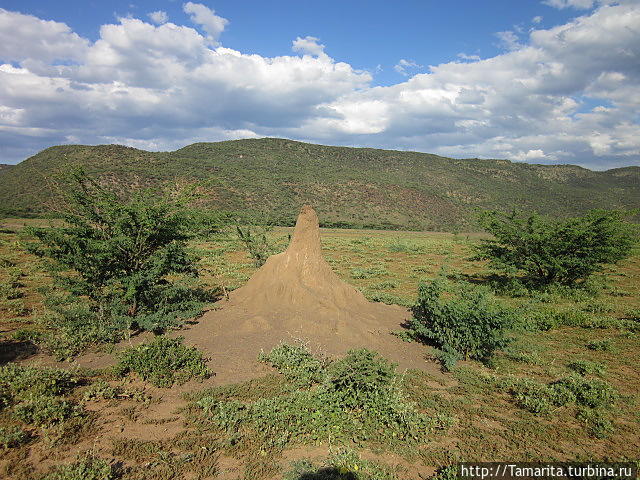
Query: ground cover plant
<point x="163" y="362"/>
<point x="478" y="418"/>
<point x="353" y="399"/>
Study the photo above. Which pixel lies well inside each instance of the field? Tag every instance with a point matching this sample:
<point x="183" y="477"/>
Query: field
<point x="504" y="411"/>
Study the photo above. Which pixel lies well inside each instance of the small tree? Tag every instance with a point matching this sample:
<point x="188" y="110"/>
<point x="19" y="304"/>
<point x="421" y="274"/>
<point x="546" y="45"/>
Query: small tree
<point x="120" y="252"/>
<point x="555" y="251"/>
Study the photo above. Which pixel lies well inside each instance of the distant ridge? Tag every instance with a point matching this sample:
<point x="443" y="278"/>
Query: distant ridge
<point x="351" y="187"/>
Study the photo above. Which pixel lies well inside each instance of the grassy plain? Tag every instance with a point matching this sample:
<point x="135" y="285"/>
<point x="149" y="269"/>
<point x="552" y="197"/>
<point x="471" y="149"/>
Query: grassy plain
<point x="131" y="429"/>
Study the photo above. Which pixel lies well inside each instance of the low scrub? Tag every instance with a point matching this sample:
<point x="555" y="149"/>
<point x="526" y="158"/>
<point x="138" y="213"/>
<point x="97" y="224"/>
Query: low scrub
<point x="163" y="362"/>
<point x="296" y="363"/>
<point x="345" y="464"/>
<point x="356" y="398"/>
<point x="21" y="382"/>
<point x="88" y="467"/>
<point x="12" y="436"/>
<point x="592" y="397"/>
<point x="470" y="324"/>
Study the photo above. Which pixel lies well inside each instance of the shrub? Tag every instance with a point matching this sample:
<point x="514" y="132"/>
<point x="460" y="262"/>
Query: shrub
<point x="12" y="437"/>
<point x="44" y="411"/>
<point x="361" y="379"/>
<point x="163" y="361"/>
<point x="87" y="468"/>
<point x="254" y="238"/>
<point x="586" y="367"/>
<point x="596" y="421"/>
<point x="471" y="324"/>
<point x="537" y="397"/>
<point x="296" y="363"/>
<point x="20" y="382"/>
<point x="555" y="251"/>
<point x="588" y="392"/>
<point x="358" y="399"/>
<point x="121" y="252"/>
<point x="603" y="345"/>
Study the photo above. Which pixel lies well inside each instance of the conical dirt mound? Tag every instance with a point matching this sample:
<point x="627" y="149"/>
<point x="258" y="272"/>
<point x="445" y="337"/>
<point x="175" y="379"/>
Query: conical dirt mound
<point x="296" y="296"/>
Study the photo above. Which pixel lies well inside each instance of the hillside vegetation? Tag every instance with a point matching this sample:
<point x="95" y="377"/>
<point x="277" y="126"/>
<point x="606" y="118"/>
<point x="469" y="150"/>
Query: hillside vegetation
<point x="356" y="187"/>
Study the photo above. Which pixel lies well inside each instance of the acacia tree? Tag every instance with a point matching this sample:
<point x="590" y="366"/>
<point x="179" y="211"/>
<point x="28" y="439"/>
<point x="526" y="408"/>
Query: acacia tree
<point x="555" y="251"/>
<point x="119" y="252"/>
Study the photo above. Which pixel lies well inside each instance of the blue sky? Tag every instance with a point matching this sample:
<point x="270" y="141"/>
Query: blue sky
<point x="554" y="81"/>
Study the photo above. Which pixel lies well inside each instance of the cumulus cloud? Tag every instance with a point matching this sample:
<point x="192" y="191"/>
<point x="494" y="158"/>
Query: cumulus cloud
<point x="207" y="19"/>
<point x="536" y="20"/>
<point x="308" y="46"/>
<point x="25" y="36"/>
<point x="567" y="94"/>
<point x="403" y="65"/>
<point x="159" y="17"/>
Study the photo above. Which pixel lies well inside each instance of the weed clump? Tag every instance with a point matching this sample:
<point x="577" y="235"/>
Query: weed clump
<point x="356" y="398"/>
<point x="21" y="382"/>
<point x="13" y="436"/>
<point x="603" y="345"/>
<point x="592" y="396"/>
<point x="345" y="464"/>
<point x="471" y="324"/>
<point x="86" y="468"/>
<point x="360" y="380"/>
<point x="296" y="363"/>
<point x="163" y="361"/>
<point x="586" y="367"/>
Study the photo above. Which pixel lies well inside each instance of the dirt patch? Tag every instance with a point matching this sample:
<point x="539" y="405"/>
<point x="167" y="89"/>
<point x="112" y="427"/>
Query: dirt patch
<point x="296" y="296"/>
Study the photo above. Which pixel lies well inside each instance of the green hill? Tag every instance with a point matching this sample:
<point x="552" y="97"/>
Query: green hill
<point x="360" y="187"/>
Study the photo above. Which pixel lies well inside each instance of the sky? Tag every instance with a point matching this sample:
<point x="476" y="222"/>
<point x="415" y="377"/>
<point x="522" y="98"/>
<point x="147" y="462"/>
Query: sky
<point x="545" y="81"/>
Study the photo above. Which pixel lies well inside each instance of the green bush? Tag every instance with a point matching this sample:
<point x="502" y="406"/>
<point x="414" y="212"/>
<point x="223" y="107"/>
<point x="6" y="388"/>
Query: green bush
<point x="361" y="379"/>
<point x="470" y="325"/>
<point x="589" y="392"/>
<point x="122" y="254"/>
<point x="555" y="251"/>
<point x="11" y="437"/>
<point x="163" y="361"/>
<point x="536" y="397"/>
<point x="21" y="382"/>
<point x="296" y="363"/>
<point x="45" y="411"/>
<point x="597" y="422"/>
<point x="358" y="399"/>
<point x="603" y="345"/>
<point x="87" y="468"/>
<point x="586" y="367"/>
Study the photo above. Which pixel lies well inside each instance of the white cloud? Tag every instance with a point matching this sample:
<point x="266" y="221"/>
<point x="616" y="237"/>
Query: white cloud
<point x="308" y="46"/>
<point x="566" y="94"/>
<point x="578" y="4"/>
<point x="403" y="65"/>
<point x="464" y="56"/>
<point x="536" y="20"/>
<point x="27" y="37"/>
<point x="207" y="19"/>
<point x="508" y="40"/>
<point x="159" y="17"/>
